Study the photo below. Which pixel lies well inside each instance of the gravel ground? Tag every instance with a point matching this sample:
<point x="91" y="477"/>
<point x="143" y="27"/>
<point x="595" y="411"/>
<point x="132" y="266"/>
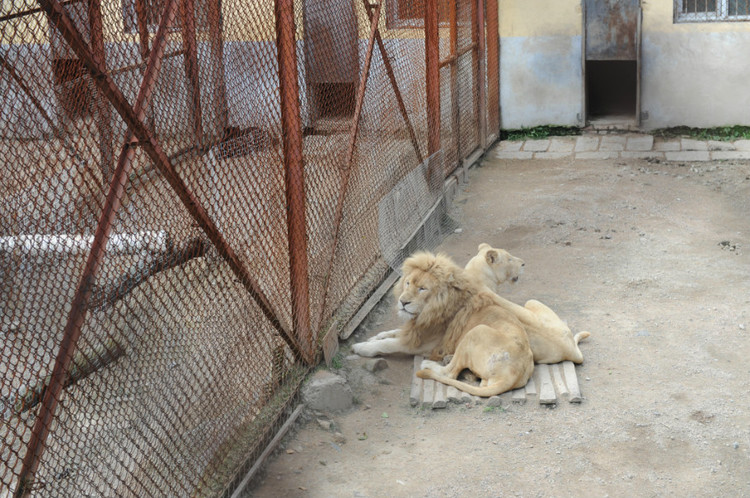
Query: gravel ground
<point x="653" y="258"/>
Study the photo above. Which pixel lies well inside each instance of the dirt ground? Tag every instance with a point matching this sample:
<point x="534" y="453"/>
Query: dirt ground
<point x="654" y="260"/>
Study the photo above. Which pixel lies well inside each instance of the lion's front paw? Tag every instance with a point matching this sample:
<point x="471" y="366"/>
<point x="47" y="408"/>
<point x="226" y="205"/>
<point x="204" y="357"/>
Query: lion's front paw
<point x="388" y="334"/>
<point x="362" y="349"/>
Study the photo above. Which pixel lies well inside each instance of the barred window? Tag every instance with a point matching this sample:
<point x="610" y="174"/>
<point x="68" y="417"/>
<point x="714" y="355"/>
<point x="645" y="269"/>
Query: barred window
<point x="153" y="11"/>
<point x="712" y="10"/>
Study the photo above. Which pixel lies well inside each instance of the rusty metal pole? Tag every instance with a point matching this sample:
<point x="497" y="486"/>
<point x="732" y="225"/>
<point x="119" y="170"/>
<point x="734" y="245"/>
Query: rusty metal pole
<point x="103" y="112"/>
<point x="215" y="33"/>
<point x="455" y="95"/>
<point x="191" y="69"/>
<point x="432" y="59"/>
<point x="141" y="21"/>
<point x="481" y="71"/>
<point x="294" y="169"/>
<point x="493" y="69"/>
<point x="374" y="19"/>
<point x="77" y="314"/>
<point x="432" y="62"/>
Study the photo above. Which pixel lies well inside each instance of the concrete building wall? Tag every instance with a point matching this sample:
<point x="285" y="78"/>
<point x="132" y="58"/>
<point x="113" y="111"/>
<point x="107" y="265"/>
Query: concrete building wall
<point x="693" y="74"/>
<point x="540" y="63"/>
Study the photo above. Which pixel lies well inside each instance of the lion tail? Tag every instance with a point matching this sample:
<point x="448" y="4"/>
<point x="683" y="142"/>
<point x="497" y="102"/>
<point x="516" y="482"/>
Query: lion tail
<point x="485" y="392"/>
<point x="581" y="336"/>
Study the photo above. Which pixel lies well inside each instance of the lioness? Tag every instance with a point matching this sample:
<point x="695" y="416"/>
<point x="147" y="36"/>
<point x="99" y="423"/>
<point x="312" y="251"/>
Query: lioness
<point x="494" y="267"/>
<point x="550" y="338"/>
<point x="449" y="313"/>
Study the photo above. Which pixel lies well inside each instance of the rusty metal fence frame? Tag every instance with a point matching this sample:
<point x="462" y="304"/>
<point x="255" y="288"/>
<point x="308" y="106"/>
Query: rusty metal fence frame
<point x="306" y="343"/>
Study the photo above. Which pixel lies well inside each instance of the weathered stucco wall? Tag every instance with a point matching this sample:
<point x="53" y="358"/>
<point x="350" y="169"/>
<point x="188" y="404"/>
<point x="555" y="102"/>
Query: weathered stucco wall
<point x="540" y="62"/>
<point x="693" y="74"/>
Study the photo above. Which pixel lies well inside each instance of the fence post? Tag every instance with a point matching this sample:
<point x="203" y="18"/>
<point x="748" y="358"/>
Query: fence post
<point x="455" y="96"/>
<point x="435" y="168"/>
<point x="191" y="68"/>
<point x="103" y="113"/>
<point x="481" y="71"/>
<point x="493" y="69"/>
<point x="291" y="134"/>
<point x="215" y="34"/>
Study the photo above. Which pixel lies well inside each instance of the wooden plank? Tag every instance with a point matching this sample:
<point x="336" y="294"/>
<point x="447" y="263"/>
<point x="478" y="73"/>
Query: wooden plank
<point x="428" y="393"/>
<point x="416" y="383"/>
<point x="519" y="395"/>
<point x="531" y="387"/>
<point x="571" y="380"/>
<point x="267" y="451"/>
<point x="558" y="380"/>
<point x="453" y="394"/>
<point x="546" y="389"/>
<point x="439" y="396"/>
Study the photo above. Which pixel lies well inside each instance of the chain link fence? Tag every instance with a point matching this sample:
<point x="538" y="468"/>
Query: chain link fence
<point x="194" y="194"/>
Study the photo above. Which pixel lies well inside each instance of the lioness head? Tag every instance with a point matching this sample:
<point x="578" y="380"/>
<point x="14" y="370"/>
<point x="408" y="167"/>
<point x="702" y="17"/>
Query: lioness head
<point x="493" y="267"/>
<point x="428" y="287"/>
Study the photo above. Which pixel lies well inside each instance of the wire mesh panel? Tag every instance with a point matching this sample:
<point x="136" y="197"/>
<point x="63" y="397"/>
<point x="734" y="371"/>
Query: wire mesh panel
<point x="193" y="193"/>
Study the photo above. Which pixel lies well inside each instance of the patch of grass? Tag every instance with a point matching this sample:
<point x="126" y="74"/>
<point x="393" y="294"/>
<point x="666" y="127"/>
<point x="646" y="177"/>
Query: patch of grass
<point x="337" y="362"/>
<point x="493" y="409"/>
<point x="722" y="133"/>
<point x="539" y="132"/>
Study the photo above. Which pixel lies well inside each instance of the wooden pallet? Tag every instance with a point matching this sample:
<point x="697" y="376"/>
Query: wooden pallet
<point x="548" y="385"/>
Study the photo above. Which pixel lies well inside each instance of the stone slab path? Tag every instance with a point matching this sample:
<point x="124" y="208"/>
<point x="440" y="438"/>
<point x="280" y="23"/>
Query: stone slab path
<point x="634" y="146"/>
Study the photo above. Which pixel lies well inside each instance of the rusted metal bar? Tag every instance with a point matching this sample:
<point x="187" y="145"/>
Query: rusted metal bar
<point x="451" y="59"/>
<point x="215" y="30"/>
<point x="294" y="177"/>
<point x="142" y="10"/>
<point x="191" y="68"/>
<point x="141" y="21"/>
<point x="394" y="84"/>
<point x="347" y="164"/>
<point x="28" y="12"/>
<point x="103" y="112"/>
<point x="432" y="59"/>
<point x="375" y="17"/>
<point x="455" y="93"/>
<point x="493" y="69"/>
<point x="481" y="70"/>
<point x="72" y="332"/>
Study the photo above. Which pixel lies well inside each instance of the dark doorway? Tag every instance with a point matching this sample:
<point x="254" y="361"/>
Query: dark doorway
<point x="611" y="89"/>
<point x="612" y="35"/>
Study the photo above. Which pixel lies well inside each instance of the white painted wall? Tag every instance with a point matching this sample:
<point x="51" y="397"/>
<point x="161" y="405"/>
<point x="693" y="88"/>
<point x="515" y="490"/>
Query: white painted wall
<point x="693" y="74"/>
<point x="540" y="63"/>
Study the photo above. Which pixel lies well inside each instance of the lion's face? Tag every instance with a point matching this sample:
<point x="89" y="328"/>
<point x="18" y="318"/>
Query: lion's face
<point x="495" y="266"/>
<point x="418" y="287"/>
<point x="428" y="286"/>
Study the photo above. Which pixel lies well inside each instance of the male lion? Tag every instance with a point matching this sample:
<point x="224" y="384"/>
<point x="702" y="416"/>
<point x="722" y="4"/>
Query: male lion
<point x="550" y="338"/>
<point x="449" y="313"/>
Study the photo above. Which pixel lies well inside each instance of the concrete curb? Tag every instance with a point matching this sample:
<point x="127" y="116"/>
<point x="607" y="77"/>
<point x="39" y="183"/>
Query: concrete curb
<point x="627" y="146"/>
